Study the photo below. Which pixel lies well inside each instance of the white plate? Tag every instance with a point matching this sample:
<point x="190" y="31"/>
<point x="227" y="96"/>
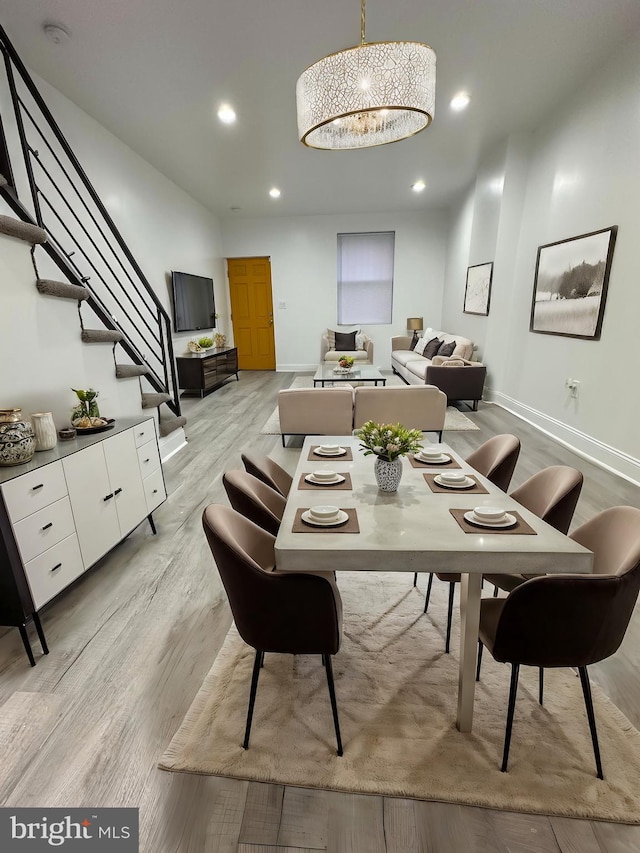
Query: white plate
<point x="508" y="521"/>
<point x="467" y="483"/>
<point x="334" y="522"/>
<point x="340" y="452"/>
<point x="434" y="460"/>
<point x="337" y="479"/>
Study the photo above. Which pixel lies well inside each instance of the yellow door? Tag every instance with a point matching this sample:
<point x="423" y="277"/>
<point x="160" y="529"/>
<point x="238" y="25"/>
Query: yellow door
<point x="252" y="312"/>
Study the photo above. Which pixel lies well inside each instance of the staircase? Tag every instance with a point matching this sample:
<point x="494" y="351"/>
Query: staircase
<point x="61" y="216"/>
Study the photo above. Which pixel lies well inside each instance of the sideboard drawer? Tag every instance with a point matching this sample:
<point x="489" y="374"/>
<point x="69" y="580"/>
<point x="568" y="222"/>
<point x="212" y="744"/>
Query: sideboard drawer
<point x="49" y="573"/>
<point x="149" y="457"/>
<point x="144" y="432"/>
<point x="154" y="489"/>
<point x="43" y="529"/>
<point x="33" y="491"/>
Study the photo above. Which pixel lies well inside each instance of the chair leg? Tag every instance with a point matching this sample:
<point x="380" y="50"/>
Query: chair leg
<point x="257" y="663"/>
<point x="479" y="663"/>
<point x="452" y="589"/>
<point x="513" y="689"/>
<point x="428" y="595"/>
<point x="326" y="659"/>
<point x="541" y="685"/>
<point x="588" y="701"/>
<point x="415" y="578"/>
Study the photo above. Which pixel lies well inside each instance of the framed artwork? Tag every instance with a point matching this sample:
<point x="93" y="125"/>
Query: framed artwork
<point x="570" y="286"/>
<point x="478" y="290"/>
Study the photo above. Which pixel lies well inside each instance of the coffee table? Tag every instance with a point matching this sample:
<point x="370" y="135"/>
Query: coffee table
<point x="359" y="373"/>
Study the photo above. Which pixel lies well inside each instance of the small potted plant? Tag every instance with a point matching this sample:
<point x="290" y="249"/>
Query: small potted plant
<point x="205" y="342"/>
<point x="346" y="361"/>
<point x="86" y="414"/>
<point x="388" y="443"/>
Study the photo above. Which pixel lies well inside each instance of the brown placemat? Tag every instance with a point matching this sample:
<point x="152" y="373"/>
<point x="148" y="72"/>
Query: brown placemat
<point x="346" y="486"/>
<point x="314" y="457"/>
<point x="416" y="463"/>
<point x="521" y="525"/>
<point x="478" y="489"/>
<point x="350" y="526"/>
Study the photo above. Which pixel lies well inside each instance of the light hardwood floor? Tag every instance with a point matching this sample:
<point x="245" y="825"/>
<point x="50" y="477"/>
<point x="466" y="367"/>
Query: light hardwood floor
<point x="132" y="642"/>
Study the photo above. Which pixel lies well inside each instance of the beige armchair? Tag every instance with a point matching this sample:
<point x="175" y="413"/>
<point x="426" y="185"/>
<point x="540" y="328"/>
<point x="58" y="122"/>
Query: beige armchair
<point x="365" y="356"/>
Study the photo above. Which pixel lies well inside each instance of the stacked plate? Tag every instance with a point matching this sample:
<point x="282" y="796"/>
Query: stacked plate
<point x="324" y="478"/>
<point x="325" y="516"/>
<point x="490" y="516"/>
<point x="432" y="456"/>
<point x="454" y="480"/>
<point x="330" y="450"/>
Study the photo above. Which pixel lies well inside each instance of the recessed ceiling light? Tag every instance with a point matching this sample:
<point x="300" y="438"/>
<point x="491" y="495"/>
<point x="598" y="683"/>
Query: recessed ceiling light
<point x="460" y="101"/>
<point x="274" y="192"/>
<point x="226" y="114"/>
<point x="418" y="186"/>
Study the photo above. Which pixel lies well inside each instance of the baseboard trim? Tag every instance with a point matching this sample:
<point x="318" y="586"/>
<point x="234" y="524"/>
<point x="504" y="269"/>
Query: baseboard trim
<point x="296" y="368"/>
<point x="596" y="451"/>
<point x="171" y="444"/>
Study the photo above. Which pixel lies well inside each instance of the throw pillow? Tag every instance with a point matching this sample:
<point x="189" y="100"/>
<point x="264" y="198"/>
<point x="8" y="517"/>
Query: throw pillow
<point x="331" y="337"/>
<point x="360" y="341"/>
<point x="420" y="345"/>
<point x="432" y="348"/>
<point x="447" y="349"/>
<point x="346" y="341"/>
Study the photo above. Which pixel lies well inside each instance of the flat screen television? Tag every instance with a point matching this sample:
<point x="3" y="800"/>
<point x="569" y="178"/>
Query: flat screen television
<point x="193" y="302"/>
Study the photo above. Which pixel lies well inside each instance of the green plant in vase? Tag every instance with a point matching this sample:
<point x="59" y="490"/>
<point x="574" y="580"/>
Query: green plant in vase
<point x="86" y="413"/>
<point x="346" y="361"/>
<point x="205" y="342"/>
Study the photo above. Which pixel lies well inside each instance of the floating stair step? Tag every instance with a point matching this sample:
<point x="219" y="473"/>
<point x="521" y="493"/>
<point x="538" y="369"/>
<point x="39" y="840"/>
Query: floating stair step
<point x="169" y="425"/>
<point x="62" y="289"/>
<point x="22" y="230"/>
<point x="126" y="371"/>
<point x="152" y="401"/>
<point x="3" y="181"/>
<point x="100" y="336"/>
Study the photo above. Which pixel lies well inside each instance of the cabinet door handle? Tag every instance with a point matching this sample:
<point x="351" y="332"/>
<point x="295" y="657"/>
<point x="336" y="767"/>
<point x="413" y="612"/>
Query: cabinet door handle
<point x="56" y="567"/>
<point x="108" y="497"/>
<point x="39" y="486"/>
<point x="155" y="491"/>
<point x="47" y="526"/>
<point x="117" y="491"/>
<point x="147" y="460"/>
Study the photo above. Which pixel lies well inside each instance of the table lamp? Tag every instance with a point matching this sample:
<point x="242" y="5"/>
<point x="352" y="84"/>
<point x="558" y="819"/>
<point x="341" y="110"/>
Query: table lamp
<point x="415" y="325"/>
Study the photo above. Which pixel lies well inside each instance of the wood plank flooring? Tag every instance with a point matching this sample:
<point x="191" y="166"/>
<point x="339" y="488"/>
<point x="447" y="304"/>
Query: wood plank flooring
<point x="132" y="642"/>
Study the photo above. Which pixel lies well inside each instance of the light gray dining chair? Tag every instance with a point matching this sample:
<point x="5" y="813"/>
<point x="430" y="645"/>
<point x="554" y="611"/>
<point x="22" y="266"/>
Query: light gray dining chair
<point x="254" y="499"/>
<point x="268" y="470"/>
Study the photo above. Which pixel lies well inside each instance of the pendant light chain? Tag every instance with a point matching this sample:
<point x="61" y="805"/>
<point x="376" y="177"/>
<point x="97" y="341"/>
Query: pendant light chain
<point x="363" y="4"/>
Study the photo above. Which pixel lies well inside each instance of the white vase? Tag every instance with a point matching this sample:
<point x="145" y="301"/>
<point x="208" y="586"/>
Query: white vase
<point x="388" y="474"/>
<point x="44" y="430"/>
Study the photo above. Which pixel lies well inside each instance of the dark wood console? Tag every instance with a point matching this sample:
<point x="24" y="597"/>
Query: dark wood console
<point x="200" y="374"/>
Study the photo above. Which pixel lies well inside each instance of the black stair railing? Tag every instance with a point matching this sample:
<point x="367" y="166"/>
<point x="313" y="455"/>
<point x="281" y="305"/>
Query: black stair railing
<point x="47" y="186"/>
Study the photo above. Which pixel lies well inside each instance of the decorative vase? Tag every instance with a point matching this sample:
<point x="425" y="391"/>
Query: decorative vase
<point x="388" y="474"/>
<point x="17" y="441"/>
<point x="45" y="430"/>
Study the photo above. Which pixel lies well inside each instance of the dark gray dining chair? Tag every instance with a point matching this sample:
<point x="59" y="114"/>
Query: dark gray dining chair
<point x="569" y="620"/>
<point x="294" y="613"/>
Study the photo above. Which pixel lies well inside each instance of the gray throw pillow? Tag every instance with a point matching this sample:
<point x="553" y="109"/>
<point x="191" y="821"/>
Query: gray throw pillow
<point x="345" y="341"/>
<point x="432" y="348"/>
<point x="447" y="349"/>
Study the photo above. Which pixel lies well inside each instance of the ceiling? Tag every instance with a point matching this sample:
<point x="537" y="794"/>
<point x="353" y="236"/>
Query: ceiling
<point x="155" y="71"/>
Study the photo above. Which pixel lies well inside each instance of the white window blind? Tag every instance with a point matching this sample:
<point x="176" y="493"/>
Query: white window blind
<point x="365" y="277"/>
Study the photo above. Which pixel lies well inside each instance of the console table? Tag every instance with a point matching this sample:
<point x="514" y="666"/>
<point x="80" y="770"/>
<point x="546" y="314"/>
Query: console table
<point x="200" y="373"/>
<point x="66" y="508"/>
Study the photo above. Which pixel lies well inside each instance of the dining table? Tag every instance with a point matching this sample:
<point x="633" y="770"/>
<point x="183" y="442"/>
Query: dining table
<point x="418" y="528"/>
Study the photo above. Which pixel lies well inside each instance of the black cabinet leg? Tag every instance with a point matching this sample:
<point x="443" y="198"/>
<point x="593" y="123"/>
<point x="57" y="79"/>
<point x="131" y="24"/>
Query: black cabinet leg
<point x="27" y="644"/>
<point x="41" y="637"/>
<point x="152" y="523"/>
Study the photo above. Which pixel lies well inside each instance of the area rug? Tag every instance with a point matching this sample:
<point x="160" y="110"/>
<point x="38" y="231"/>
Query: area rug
<point x="396" y="691"/>
<point x="453" y="420"/>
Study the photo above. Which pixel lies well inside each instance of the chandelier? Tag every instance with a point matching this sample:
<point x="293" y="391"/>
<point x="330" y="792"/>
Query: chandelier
<point x="367" y="95"/>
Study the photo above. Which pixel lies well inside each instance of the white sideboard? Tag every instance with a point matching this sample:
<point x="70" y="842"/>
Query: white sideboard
<point x="66" y="508"/>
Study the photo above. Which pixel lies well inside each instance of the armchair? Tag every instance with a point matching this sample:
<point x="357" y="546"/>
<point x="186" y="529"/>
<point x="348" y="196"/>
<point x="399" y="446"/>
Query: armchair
<point x="364" y="355"/>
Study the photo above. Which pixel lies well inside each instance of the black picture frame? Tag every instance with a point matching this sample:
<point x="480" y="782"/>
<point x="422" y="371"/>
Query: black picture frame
<point x="571" y="283"/>
<point x="477" y="293"/>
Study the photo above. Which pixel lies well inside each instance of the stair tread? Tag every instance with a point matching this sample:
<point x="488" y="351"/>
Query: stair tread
<point x="13" y="227"/>
<point x="125" y="371"/>
<point x="62" y="289"/>
<point x="90" y="336"/>
<point x="152" y="400"/>
<point x="169" y="425"/>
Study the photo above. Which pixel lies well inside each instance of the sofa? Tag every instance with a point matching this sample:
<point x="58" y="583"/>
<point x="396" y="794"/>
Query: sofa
<point x="338" y="411"/>
<point x="454" y="373"/>
<point x="362" y="352"/>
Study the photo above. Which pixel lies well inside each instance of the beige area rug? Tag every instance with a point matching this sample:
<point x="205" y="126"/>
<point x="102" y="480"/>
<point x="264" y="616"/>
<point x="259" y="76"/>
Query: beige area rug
<point x="454" y="420"/>
<point x="396" y="692"/>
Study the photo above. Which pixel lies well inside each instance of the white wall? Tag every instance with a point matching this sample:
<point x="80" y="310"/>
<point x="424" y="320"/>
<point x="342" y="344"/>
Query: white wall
<point x="165" y="229"/>
<point x="579" y="172"/>
<point x="304" y="266"/>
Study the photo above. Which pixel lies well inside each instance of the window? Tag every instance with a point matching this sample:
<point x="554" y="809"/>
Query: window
<point x="365" y="277"/>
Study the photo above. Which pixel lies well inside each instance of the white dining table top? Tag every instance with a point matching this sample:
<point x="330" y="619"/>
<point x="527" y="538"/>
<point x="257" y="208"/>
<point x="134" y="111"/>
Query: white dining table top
<point x="412" y="530"/>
